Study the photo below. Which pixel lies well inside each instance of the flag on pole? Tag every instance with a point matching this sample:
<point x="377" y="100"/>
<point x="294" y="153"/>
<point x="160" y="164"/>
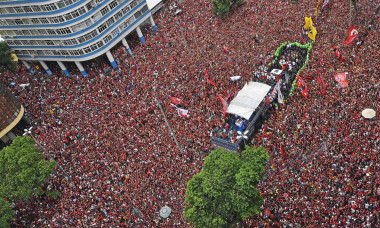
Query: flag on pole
<point x="301" y="83"/>
<point x="337" y="53"/>
<point x="176" y="100"/>
<point x="317" y="10"/>
<point x="282" y="149"/>
<point x="225" y="49"/>
<point x="230" y="61"/>
<point x="224" y="102"/>
<point x="320" y="81"/>
<point x="308" y="23"/>
<point x="352" y="34"/>
<point x="310" y="27"/>
<point x="312" y="32"/>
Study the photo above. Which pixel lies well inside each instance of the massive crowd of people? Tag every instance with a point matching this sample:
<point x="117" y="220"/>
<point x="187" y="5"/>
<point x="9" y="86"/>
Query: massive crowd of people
<point x="121" y="164"/>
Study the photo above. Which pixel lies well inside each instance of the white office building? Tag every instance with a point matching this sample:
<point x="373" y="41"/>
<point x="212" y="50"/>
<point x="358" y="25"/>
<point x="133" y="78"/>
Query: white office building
<point x="69" y="30"/>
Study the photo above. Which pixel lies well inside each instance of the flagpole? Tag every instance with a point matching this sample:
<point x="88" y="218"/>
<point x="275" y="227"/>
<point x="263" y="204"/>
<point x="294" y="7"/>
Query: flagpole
<point x="350" y="12"/>
<point x="170" y="128"/>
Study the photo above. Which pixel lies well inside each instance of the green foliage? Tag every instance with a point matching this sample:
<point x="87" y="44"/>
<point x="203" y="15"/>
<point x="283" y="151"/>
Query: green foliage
<point x="23" y="169"/>
<point x="6" y="213"/>
<point x="222" y="7"/>
<point x="224" y="192"/>
<point x="6" y="62"/>
<point x="52" y="194"/>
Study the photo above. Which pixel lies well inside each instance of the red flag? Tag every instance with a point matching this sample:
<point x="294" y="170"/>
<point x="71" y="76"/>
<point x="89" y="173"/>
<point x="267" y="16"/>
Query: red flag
<point x="352" y="34"/>
<point x="301" y="83"/>
<point x="225" y="49"/>
<point x="337" y="53"/>
<point x="282" y="151"/>
<point x="268" y="212"/>
<point x="224" y="102"/>
<point x="320" y="81"/>
<point x="176" y="100"/>
<point x="208" y="78"/>
<point x="215" y="24"/>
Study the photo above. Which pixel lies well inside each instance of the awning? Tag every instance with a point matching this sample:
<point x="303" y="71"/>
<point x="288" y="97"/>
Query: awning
<point x="248" y="99"/>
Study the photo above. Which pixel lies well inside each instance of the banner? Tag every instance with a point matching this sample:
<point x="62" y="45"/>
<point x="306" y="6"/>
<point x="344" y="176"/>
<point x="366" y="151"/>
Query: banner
<point x="183" y="112"/>
<point x="272" y="95"/>
<point x="280" y="98"/>
<point x="341" y="79"/>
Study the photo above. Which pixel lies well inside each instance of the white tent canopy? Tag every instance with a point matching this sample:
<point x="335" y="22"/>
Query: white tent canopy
<point x="152" y="3"/>
<point x="248" y="99"/>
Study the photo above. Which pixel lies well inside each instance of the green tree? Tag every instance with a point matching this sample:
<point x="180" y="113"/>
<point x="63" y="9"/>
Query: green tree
<point x="6" y="60"/>
<point x="225" y="191"/>
<point x="23" y="169"/>
<point x="6" y="213"/>
<point x="222" y="7"/>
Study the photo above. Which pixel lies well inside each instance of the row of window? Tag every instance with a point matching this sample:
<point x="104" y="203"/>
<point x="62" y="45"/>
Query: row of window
<point x="77" y="52"/>
<point x="78" y="40"/>
<point x="62" y="31"/>
<point x="62" y="18"/>
<point x="38" y="8"/>
<point x="81" y="51"/>
<point x="75" y="28"/>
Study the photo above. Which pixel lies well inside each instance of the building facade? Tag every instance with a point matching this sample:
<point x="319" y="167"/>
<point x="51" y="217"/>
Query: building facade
<point x="69" y="30"/>
<point x="11" y="112"/>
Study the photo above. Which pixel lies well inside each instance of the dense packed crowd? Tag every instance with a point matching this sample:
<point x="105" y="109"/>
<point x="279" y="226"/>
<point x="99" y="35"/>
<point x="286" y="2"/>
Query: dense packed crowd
<point x="109" y="136"/>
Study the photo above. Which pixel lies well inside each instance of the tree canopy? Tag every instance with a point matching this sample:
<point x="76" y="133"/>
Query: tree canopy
<point x="6" y="213"/>
<point x="225" y="191"/>
<point x="6" y="58"/>
<point x="23" y="169"/>
<point x="223" y="7"/>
